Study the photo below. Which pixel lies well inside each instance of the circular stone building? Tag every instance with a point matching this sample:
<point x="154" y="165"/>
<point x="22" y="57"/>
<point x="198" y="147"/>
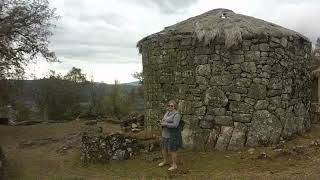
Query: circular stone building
<point x="239" y="81"/>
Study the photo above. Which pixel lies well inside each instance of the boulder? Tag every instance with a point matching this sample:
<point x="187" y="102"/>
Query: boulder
<point x="224" y="138"/>
<point x="212" y="138"/>
<point x="238" y="137"/>
<point x="215" y="97"/>
<point x="265" y="129"/>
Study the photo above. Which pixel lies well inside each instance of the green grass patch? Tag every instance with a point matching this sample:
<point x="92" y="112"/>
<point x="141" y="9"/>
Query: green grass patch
<point x="42" y="162"/>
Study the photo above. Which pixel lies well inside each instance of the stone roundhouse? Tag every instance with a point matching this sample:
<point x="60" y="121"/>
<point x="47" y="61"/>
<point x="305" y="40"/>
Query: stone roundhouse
<point x="239" y="81"/>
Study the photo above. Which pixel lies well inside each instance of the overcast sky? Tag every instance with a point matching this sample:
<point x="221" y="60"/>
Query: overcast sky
<point x="100" y="36"/>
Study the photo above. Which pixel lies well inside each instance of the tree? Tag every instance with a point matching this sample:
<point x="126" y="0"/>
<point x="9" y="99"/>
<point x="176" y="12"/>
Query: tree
<point x="140" y="89"/>
<point x="139" y="76"/>
<point x="59" y="97"/>
<point x="25" y="26"/>
<point x="318" y="43"/>
<point x="48" y="94"/>
<point x="97" y="94"/>
<point x="76" y="75"/>
<point x="116" y="101"/>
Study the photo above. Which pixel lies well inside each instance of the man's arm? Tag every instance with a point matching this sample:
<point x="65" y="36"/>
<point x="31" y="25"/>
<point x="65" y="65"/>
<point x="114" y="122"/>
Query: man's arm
<point x="175" y="123"/>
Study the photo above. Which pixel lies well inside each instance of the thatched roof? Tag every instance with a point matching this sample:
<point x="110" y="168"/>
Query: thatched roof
<point x="224" y="23"/>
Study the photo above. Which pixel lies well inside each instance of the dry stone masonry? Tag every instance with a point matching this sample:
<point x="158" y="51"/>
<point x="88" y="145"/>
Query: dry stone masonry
<point x="105" y="148"/>
<point x="239" y="81"/>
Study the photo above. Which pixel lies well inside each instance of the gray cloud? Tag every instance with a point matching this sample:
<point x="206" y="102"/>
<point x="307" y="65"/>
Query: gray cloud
<point x="106" y="32"/>
<point x="94" y="37"/>
<point x="106" y="36"/>
<point x="300" y="16"/>
<point x="168" y="6"/>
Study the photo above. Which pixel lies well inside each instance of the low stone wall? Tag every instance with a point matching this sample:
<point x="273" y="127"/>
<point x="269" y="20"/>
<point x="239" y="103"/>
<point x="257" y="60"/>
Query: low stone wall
<point x="104" y="148"/>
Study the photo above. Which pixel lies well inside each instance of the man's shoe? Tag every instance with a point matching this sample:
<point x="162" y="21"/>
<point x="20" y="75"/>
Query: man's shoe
<point x="162" y="164"/>
<point x="172" y="168"/>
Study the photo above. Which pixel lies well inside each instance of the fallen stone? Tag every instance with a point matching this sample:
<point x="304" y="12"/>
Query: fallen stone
<point x="224" y="138"/>
<point x="238" y="137"/>
<point x="251" y="150"/>
<point x="212" y="138"/>
<point x="134" y="125"/>
<point x="263" y="155"/>
<point x="315" y="143"/>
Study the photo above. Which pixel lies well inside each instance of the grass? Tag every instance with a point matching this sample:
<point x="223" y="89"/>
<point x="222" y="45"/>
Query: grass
<point x="42" y="162"/>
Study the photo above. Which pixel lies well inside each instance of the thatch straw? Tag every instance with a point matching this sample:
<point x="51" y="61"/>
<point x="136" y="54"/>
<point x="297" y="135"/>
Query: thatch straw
<point x="224" y="23"/>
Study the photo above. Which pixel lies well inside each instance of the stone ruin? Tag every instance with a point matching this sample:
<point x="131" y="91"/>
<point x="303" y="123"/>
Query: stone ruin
<point x="106" y="148"/>
<point x="239" y="81"/>
<point x="134" y="122"/>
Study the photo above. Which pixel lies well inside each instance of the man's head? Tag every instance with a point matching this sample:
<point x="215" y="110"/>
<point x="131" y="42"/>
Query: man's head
<point x="172" y="105"/>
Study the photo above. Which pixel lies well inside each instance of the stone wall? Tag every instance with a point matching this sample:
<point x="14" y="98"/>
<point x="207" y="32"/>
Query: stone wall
<point x="105" y="148"/>
<point x="251" y="95"/>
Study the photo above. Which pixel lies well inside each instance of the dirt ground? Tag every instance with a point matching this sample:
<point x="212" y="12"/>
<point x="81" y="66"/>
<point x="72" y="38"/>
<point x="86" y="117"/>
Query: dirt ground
<point x="295" y="159"/>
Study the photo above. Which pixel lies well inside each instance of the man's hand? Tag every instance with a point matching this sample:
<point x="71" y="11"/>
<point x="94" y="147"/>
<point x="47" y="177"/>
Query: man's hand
<point x="163" y="124"/>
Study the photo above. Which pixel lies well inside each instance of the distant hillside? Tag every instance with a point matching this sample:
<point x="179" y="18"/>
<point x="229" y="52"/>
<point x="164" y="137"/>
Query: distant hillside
<point x="28" y="88"/>
<point x="29" y="91"/>
<point x="134" y="83"/>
